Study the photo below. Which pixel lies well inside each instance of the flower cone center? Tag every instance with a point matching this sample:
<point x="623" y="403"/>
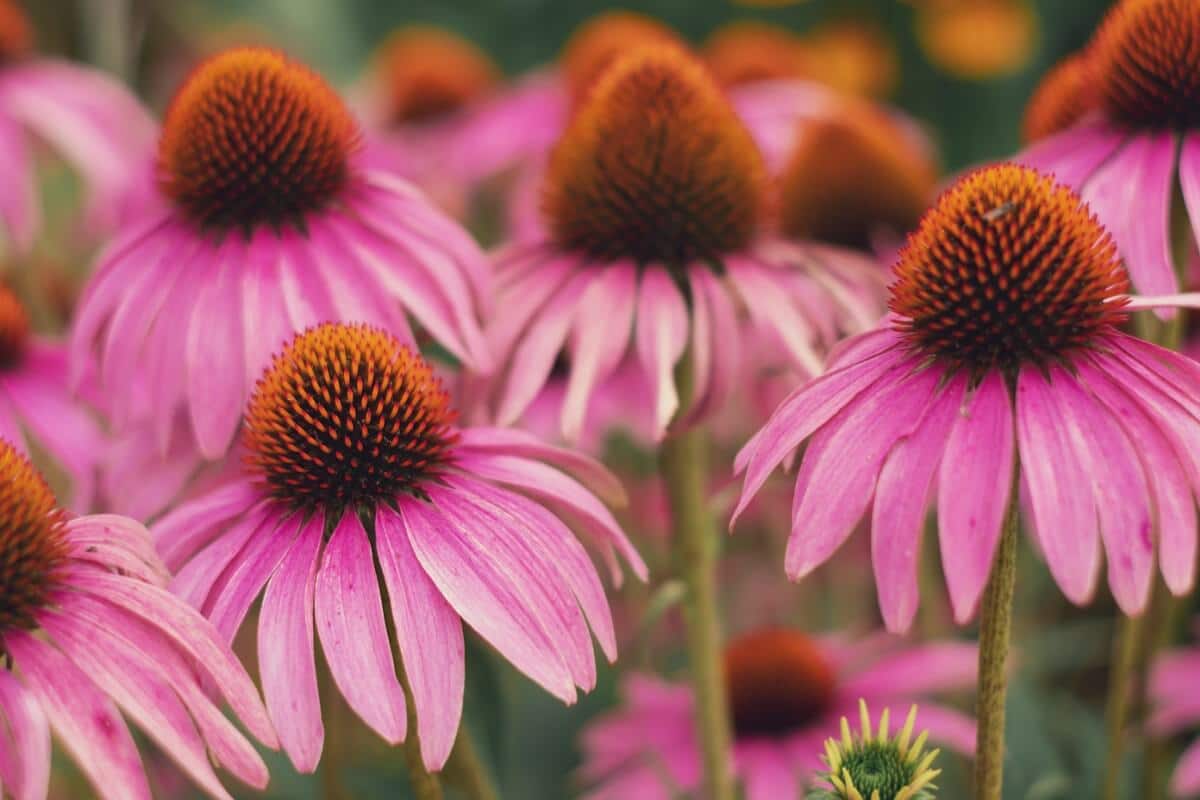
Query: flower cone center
<point x="32" y="544"/>
<point x="254" y="138"/>
<point x="428" y="73"/>
<point x="778" y="681"/>
<point x="346" y="416"/>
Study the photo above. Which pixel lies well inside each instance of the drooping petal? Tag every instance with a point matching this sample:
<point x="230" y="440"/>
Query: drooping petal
<point x="769" y="305"/>
<point x="215" y="352"/>
<point x="430" y="638"/>
<point x="1189" y="180"/>
<point x="286" y="656"/>
<point x="243" y="579"/>
<point x="715" y="329"/>
<point x="183" y="531"/>
<point x="18" y="196"/>
<point x="354" y="637"/>
<point x="25" y="760"/>
<point x="1186" y="778"/>
<point x="661" y="337"/>
<point x="1074" y="155"/>
<point x="974" y="487"/>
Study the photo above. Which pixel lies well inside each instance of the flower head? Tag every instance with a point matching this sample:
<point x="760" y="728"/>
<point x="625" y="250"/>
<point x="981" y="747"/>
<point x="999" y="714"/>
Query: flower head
<point x="1064" y="97"/>
<point x="356" y="470"/>
<point x="88" y="631"/>
<point x="267" y="220"/>
<point x="787" y="692"/>
<point x="1003" y="349"/>
<point x="427" y="73"/>
<point x="16" y="34"/>
<point x="596" y="44"/>
<point x="874" y="766"/>
<point x="748" y="52"/>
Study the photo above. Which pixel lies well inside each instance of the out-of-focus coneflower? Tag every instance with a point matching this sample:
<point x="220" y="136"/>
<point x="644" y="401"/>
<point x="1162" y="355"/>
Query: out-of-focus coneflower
<point x="1064" y="96"/>
<point x="977" y="39"/>
<point x="748" y="52"/>
<point x="265" y="221"/>
<point x="34" y="397"/>
<point x="1144" y="72"/>
<point x="356" y="469"/>
<point x="787" y="692"/>
<point x="1004" y="349"/>
<point x="424" y="83"/>
<point x="89" y="635"/>
<point x="93" y="122"/>
<point x="1175" y="694"/>
<point x="854" y="56"/>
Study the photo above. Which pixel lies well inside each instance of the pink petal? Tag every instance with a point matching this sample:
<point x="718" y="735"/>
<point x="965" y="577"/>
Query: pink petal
<point x="354" y="637"/>
<point x="767" y="772"/>
<point x="1186" y="778"/>
<point x="1074" y="155"/>
<point x="430" y="637"/>
<point x="838" y="474"/>
<point x="86" y="721"/>
<point x="1189" y="179"/>
<point x="487" y="598"/>
<point x="768" y="303"/>
<point x="946" y="726"/>
<point x="215" y="352"/>
<point x="716" y="344"/>
<point x="265" y="317"/>
<point x="973" y="492"/>
<point x="18" y="195"/>
<point x="241" y="582"/>
<point x="662" y="334"/>
<point x="1060" y="490"/>
<point x="286" y="658"/>
<point x="902" y="497"/>
<point x="183" y="531"/>
<point x="25" y="757"/>
<point x="195" y="580"/>
<point x="943" y="667"/>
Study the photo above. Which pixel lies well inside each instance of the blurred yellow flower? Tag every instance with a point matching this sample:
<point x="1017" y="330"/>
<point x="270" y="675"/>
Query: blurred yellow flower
<point x="854" y="56"/>
<point x="977" y="39"/>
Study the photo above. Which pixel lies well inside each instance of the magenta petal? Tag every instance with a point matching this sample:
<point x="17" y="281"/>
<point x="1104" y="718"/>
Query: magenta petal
<point x="1060" y="490"/>
<point x="354" y="637"/>
<point x="1071" y="157"/>
<point x="87" y="723"/>
<point x="767" y="771"/>
<point x="1131" y="195"/>
<point x="242" y="581"/>
<point x="715" y="330"/>
<point x="489" y="600"/>
<point x="902" y="497"/>
<point x="430" y="637"/>
<point x="767" y="301"/>
<point x="974" y="486"/>
<point x="943" y="667"/>
<point x="18" y="194"/>
<point x="946" y="726"/>
<point x="661" y="337"/>
<point x="183" y="531"/>
<point x="265" y="319"/>
<point x="1189" y="180"/>
<point x="286" y="656"/>
<point x="838" y="475"/>
<point x="215" y="352"/>
<point x="25" y="757"/>
<point x="143" y="694"/>
<point x="1186" y="778"/>
<point x="602" y="328"/>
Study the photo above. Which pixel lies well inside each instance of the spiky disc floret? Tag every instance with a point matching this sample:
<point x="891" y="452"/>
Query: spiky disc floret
<point x="597" y="43"/>
<point x="254" y="138"/>
<point x="14" y="328"/>
<point x="1064" y="97"/>
<point x="745" y="52"/>
<point x="655" y="166"/>
<point x="32" y="542"/>
<point x="1007" y="268"/>
<point x="1147" y="56"/>
<point x="778" y="681"/>
<point x="873" y="766"/>
<point x="427" y="72"/>
<point x="16" y="34"/>
<point x="850" y="174"/>
<point x="346" y="416"/>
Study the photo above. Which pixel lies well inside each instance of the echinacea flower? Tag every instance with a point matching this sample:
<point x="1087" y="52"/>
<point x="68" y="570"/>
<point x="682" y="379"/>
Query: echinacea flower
<point x="89" y="636"/>
<point x="265" y="222"/>
<point x="423" y="86"/>
<point x="745" y="51"/>
<point x="786" y="692"/>
<point x="1062" y="98"/>
<point x="34" y="397"/>
<point x="93" y="122"/>
<point x="1123" y="156"/>
<point x="876" y="766"/>
<point x="1175" y="694"/>
<point x="356" y="469"/>
<point x="654" y="202"/>
<point x="1003" y="349"/>
<point x="854" y="56"/>
<point x="977" y="39"/>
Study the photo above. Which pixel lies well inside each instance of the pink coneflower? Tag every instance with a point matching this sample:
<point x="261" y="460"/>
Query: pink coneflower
<point x="34" y="398"/>
<point x="787" y="693"/>
<point x="266" y="222"/>
<point x="1004" y="348"/>
<point x="93" y="122"/>
<point x="1175" y="693"/>
<point x="420" y="97"/>
<point x="356" y="465"/>
<point x="1137" y="129"/>
<point x="88" y="632"/>
<point x="654" y="204"/>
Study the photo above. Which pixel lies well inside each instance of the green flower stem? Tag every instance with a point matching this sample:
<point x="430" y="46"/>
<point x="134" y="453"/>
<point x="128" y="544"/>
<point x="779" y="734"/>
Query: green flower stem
<point x="465" y="770"/>
<point x="682" y="460"/>
<point x="333" y="756"/>
<point x="425" y="785"/>
<point x="1120" y="695"/>
<point x="995" y="631"/>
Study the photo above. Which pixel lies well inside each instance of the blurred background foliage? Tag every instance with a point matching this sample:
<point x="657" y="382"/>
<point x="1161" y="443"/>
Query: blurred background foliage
<point x="966" y="77"/>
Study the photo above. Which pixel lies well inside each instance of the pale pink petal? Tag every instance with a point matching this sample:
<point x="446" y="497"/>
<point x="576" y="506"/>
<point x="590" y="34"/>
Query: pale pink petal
<point x="1189" y="179"/>
<point x="25" y="757"/>
<point x="87" y="723"/>
<point x="1074" y="155"/>
<point x="661" y="337"/>
<point x="601" y="333"/>
<point x="241" y="582"/>
<point x="767" y="772"/>
<point x="525" y="295"/>
<point x="902" y="498"/>
<point x="941" y="667"/>
<point x="1061" y="500"/>
<point x="838" y="474"/>
<point x="713" y="310"/>
<point x="194" y="581"/>
<point x="18" y="193"/>
<point x="286" y="655"/>
<point x="946" y="726"/>
<point x="265" y="319"/>
<point x="974" y="486"/>
<point x="1186" y="778"/>
<point x="769" y="305"/>
<point x="215" y="352"/>
<point x="430" y="638"/>
<point x="487" y="599"/>
<point x="354" y="637"/>
<point x="183" y="531"/>
<point x="104" y="541"/>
